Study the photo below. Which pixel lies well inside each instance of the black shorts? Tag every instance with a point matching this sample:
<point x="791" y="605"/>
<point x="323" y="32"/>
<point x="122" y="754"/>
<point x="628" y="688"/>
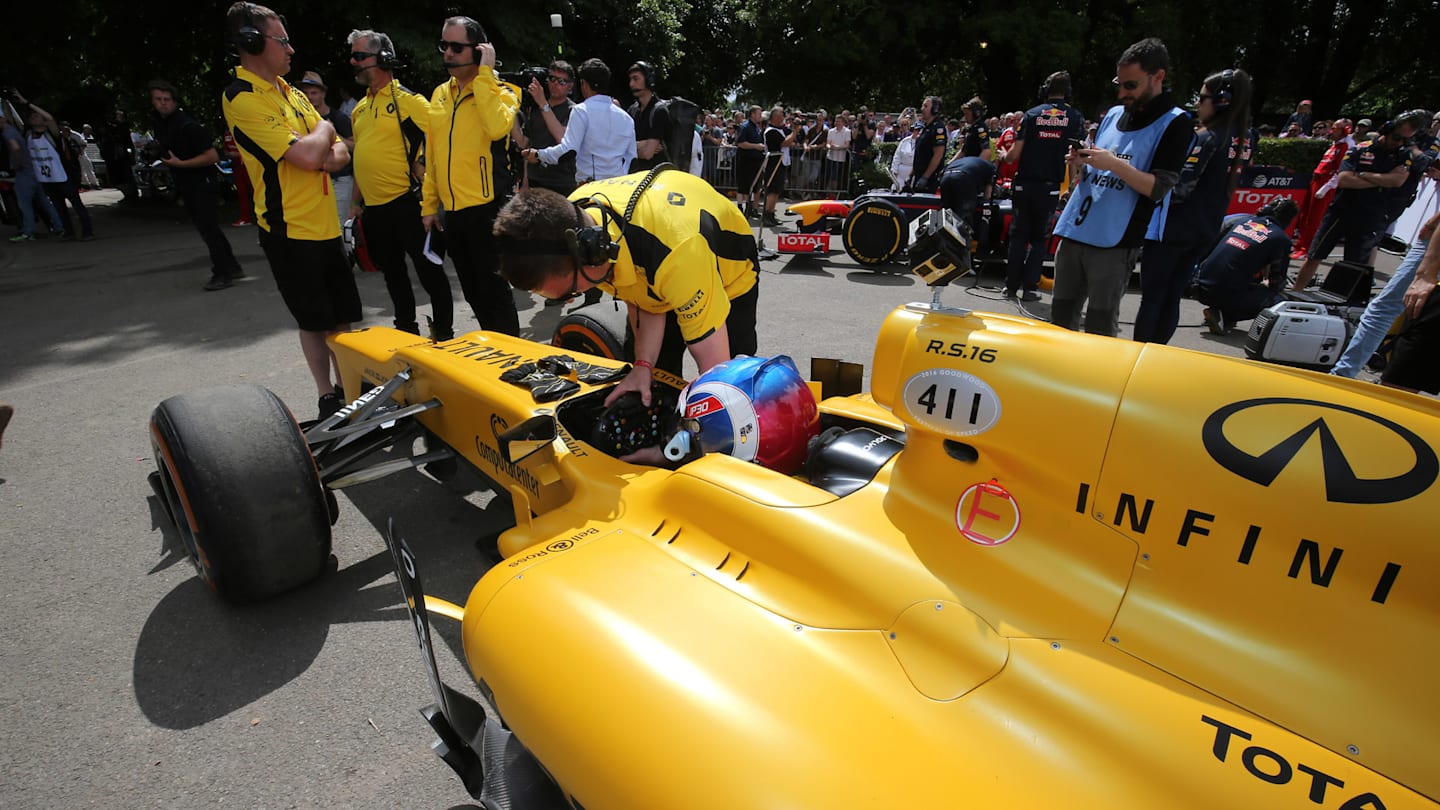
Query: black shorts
<point x="747" y="167"/>
<point x="1413" y="360"/>
<point x="314" y="279"/>
<point x="774" y="177"/>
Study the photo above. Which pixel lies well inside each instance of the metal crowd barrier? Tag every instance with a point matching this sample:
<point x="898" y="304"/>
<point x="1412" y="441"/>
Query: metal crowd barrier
<point x="811" y="175"/>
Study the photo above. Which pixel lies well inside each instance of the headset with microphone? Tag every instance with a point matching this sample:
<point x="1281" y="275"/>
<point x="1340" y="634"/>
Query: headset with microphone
<point x="478" y="38"/>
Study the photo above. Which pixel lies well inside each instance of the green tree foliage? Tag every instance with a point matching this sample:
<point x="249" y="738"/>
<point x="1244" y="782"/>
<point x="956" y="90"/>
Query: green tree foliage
<point x="80" y="58"/>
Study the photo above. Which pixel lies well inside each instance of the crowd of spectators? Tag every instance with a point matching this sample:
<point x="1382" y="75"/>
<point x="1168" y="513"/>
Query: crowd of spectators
<point x="1170" y="204"/>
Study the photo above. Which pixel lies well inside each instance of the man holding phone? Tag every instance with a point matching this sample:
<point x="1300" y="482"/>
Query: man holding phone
<point x="1046" y="134"/>
<point x="1136" y="160"/>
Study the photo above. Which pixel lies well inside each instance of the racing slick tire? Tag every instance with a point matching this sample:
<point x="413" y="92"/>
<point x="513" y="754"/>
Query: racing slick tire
<point x="597" y="329"/>
<point x="875" y="231"/>
<point x="240" y="482"/>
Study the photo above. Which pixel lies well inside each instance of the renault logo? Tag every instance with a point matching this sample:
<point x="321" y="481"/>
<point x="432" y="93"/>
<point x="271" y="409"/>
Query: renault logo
<point x="1342" y="485"/>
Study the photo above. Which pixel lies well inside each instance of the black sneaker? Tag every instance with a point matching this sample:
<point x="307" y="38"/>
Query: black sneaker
<point x="1010" y="295"/>
<point x="769" y="219"/>
<point x="1215" y="319"/>
<point x="329" y="404"/>
<point x="217" y="282"/>
<point x="1030" y="295"/>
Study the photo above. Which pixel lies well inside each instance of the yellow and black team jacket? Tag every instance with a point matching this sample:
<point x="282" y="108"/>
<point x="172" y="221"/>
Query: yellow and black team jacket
<point x="459" y="154"/>
<point x="390" y="126"/>
<point x="687" y="248"/>
<point x="265" y="121"/>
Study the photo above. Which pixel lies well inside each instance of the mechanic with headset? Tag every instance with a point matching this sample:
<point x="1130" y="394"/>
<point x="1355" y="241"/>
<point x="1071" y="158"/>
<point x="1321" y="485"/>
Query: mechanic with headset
<point x="390" y="123"/>
<point x="677" y="251"/>
<point x="289" y="150"/>
<point x="977" y="134"/>
<point x="929" y="147"/>
<point x="1184" y="224"/>
<point x="467" y="167"/>
<point x="1136" y="160"/>
<point x="1254" y="247"/>
<point x="1369" y="175"/>
<point x="1043" y="138"/>
<point x="652" y="119"/>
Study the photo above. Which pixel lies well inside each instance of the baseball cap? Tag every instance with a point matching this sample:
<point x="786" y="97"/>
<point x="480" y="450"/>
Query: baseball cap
<point x="1308" y="101"/>
<point x="311" y="77"/>
<point x="1363" y="122"/>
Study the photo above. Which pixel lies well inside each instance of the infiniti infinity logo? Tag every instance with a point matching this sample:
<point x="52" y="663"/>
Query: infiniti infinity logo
<point x="1342" y="485"/>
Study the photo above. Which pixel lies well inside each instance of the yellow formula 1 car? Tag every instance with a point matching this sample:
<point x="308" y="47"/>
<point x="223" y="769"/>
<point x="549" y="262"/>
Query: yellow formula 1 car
<point x="1031" y="568"/>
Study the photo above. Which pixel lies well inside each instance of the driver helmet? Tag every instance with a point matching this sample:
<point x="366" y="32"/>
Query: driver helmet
<point x="753" y="408"/>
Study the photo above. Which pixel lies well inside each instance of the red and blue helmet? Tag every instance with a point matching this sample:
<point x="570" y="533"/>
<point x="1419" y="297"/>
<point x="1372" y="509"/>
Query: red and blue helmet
<point x="753" y="408"/>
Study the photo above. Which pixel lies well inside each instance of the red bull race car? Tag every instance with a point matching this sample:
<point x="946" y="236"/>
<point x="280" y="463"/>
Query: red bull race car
<point x="880" y="226"/>
<point x="1028" y="568"/>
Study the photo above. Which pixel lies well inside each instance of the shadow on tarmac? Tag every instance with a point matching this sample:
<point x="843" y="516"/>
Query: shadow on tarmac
<point x="199" y="658"/>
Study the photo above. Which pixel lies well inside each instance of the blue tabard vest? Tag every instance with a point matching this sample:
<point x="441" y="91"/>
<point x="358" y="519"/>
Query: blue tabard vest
<point x="1100" y="208"/>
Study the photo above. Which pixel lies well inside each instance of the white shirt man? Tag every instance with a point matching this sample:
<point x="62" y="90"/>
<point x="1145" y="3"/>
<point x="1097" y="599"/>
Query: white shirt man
<point x="601" y="135"/>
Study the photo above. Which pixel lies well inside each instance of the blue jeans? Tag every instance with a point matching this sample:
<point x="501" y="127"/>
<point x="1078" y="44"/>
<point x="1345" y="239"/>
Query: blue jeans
<point x="1379" y="315"/>
<point x="27" y="193"/>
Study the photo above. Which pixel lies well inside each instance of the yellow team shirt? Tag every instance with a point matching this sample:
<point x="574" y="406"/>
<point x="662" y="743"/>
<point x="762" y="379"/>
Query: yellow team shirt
<point x="687" y="248"/>
<point x="464" y="125"/>
<point x="265" y="121"/>
<point x="390" y="128"/>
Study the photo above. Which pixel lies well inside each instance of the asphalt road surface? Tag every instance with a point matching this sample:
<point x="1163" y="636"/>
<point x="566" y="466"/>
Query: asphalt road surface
<point x="124" y="682"/>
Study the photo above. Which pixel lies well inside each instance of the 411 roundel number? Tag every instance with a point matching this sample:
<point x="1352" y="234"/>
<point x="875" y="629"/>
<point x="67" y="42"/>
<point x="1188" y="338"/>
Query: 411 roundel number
<point x="951" y="402"/>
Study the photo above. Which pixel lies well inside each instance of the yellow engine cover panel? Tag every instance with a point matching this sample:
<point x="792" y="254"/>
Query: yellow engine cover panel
<point x="642" y="683"/>
<point x="1290" y="562"/>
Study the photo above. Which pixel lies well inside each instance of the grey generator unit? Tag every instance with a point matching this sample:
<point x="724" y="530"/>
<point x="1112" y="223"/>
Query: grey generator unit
<point x="1298" y="333"/>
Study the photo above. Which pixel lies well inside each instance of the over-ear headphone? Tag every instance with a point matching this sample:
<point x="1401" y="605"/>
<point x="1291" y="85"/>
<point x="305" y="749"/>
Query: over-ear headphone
<point x="935" y="105"/>
<point x="248" y="37"/>
<point x="1051" y="81"/>
<point x="590" y="245"/>
<point x="1225" y="91"/>
<point x="646" y="71"/>
<point x="386" y="60"/>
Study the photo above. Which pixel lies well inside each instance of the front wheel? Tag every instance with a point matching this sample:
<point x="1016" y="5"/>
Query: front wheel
<point x="242" y="487"/>
<point x="875" y="231"/>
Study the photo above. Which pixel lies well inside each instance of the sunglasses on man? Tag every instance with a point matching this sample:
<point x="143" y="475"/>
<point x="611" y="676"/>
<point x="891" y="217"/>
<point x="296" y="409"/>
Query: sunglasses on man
<point x="1132" y="84"/>
<point x="454" y="47"/>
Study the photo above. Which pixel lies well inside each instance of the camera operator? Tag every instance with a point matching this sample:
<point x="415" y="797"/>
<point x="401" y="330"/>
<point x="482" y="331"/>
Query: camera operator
<point x="544" y="125"/>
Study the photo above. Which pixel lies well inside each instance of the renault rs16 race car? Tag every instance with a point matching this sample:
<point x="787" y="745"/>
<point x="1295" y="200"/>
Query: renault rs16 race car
<point x="1030" y="568"/>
